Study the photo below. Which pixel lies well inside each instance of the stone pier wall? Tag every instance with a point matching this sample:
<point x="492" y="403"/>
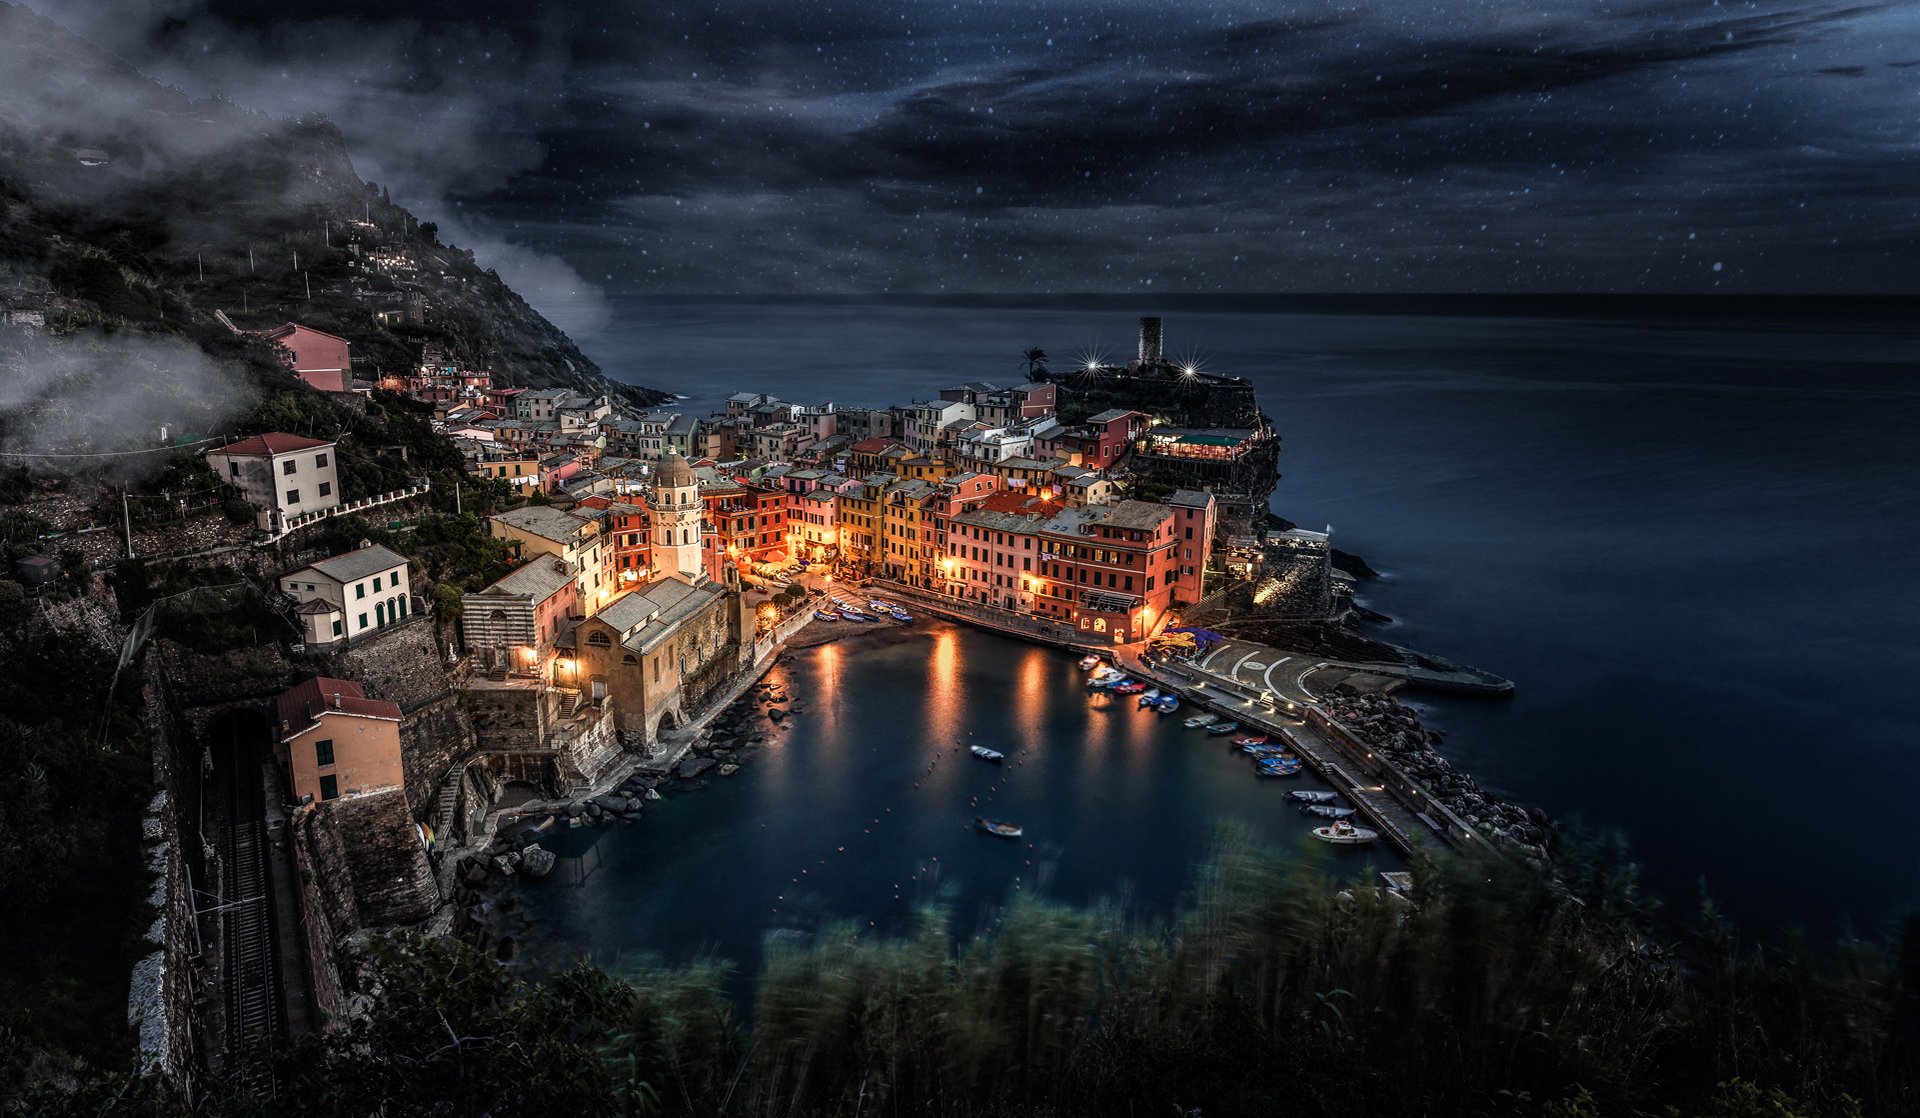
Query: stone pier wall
<point x="392" y="883"/>
<point x="327" y="912"/>
<point x="408" y="665"/>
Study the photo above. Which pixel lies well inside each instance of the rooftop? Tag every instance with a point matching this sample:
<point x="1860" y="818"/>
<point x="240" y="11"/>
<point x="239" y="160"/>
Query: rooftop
<point x="302" y="705"/>
<point x="1190" y="499"/>
<point x="544" y="521"/>
<point x="274" y="442"/>
<point x="358" y="564"/>
<point x="1110" y="415"/>
<point x="537" y="581"/>
<point x="1144" y="516"/>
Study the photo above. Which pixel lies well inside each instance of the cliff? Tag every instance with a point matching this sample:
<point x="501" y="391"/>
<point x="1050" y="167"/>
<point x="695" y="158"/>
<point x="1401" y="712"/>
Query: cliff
<point x="124" y="202"/>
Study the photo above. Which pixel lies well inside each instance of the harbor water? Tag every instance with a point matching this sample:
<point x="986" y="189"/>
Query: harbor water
<point x="861" y="806"/>
<point x="1687" y="537"/>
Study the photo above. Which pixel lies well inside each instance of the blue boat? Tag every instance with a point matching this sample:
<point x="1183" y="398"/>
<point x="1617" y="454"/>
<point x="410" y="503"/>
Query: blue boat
<point x="1167" y="704"/>
<point x="1223" y="727"/>
<point x="901" y="615"/>
<point x="854" y="615"/>
<point x="1278" y="767"/>
<point x="1149" y="698"/>
<point x="823" y="615"/>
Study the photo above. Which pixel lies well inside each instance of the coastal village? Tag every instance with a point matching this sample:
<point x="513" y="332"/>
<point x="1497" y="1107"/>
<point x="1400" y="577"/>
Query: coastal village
<point x="404" y="745"/>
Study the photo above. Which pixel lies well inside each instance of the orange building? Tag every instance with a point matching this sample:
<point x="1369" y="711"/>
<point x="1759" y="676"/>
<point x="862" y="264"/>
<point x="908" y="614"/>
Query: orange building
<point x="333" y="741"/>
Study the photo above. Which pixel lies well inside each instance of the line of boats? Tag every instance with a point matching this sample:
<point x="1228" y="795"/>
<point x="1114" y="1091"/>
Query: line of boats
<point x="1270" y="758"/>
<point x="848" y="611"/>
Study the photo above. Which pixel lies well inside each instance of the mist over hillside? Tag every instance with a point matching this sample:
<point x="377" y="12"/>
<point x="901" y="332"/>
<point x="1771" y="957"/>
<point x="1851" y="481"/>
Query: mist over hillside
<point x="130" y="210"/>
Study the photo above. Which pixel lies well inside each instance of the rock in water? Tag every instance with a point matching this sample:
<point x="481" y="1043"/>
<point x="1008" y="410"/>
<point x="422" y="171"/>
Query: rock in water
<point x="729" y="770"/>
<point x="537" y="861"/>
<point x="694" y="766"/>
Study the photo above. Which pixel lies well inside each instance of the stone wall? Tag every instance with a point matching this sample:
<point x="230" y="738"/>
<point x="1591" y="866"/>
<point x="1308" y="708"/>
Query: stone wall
<point x="407" y="665"/>
<point x="392" y="883"/>
<point x="505" y="718"/>
<point x="327" y="912"/>
<point x="160" y="1005"/>
<point x="588" y="755"/>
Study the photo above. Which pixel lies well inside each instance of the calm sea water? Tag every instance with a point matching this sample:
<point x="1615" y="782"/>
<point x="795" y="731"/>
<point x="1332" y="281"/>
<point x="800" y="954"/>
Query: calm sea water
<point x="860" y="808"/>
<point x="1689" y="541"/>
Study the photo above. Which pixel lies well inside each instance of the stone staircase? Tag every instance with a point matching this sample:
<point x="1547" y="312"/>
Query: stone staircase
<point x="446" y="804"/>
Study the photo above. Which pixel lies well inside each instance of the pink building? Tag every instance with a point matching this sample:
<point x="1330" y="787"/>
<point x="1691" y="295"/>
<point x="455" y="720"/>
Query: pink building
<point x="315" y="356"/>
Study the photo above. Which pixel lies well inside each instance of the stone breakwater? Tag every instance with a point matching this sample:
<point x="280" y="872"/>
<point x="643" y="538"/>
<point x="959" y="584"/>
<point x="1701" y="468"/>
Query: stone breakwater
<point x="1393" y="729"/>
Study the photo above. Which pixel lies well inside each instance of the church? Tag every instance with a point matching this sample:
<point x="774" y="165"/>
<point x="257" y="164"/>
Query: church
<point x="657" y="655"/>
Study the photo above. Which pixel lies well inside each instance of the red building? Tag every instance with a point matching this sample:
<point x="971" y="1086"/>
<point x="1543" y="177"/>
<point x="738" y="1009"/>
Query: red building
<point x="745" y="525"/>
<point x="315" y="356"/>
<point x="629" y="543"/>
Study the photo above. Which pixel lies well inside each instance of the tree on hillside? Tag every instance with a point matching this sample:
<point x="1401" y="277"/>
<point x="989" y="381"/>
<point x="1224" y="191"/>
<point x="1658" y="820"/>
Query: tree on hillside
<point x="1036" y="361"/>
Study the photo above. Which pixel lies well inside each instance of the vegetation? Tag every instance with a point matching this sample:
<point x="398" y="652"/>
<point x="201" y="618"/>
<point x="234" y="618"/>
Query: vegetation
<point x="1491" y="992"/>
<point x="76" y="782"/>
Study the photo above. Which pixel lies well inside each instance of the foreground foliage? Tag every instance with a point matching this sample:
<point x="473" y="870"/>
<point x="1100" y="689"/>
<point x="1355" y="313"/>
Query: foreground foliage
<point x="1489" y="993"/>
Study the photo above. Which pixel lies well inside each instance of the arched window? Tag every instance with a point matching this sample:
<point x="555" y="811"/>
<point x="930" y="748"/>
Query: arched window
<point x="629" y="658"/>
<point x="599" y="639"/>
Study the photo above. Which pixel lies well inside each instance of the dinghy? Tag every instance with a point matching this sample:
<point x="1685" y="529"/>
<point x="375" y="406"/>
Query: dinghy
<point x="1147" y="699"/>
<point x="1200" y="720"/>
<point x="823" y="615"/>
<point x="1342" y="833"/>
<point x="1313" y="796"/>
<point x="1088" y="663"/>
<point x="1167" y="704"/>
<point x="1328" y="811"/>
<point x="998" y="827"/>
<point x="986" y="754"/>
<point x="1223" y="728"/>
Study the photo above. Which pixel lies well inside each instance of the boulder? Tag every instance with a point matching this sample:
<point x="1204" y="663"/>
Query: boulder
<point x="653" y="794"/>
<point x="693" y="767"/>
<point x="476" y="874"/>
<point x="502" y="866"/>
<point x="537" y="861"/>
<point x="729" y="770"/>
<point x="776" y="713"/>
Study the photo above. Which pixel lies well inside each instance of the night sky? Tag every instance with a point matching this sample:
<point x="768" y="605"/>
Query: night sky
<point x="866" y="146"/>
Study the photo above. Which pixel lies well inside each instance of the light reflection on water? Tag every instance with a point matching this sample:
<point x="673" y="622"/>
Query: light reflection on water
<point x="1118" y="802"/>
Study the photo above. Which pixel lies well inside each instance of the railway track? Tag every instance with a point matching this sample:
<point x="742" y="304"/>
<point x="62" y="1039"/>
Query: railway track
<point x="252" y="987"/>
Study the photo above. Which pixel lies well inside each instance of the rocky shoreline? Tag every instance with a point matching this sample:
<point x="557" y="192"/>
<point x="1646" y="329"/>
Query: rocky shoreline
<point x="1387" y="725"/>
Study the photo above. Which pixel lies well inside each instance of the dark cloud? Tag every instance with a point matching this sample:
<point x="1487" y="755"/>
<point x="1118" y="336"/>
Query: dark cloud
<point x="1458" y="145"/>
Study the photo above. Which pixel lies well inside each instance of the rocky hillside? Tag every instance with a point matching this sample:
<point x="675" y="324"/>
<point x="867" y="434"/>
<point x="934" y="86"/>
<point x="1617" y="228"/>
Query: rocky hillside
<point x="124" y="202"/>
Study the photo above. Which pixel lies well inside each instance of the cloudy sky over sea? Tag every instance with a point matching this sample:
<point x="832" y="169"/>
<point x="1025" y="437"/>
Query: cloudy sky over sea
<point x="1104" y="145"/>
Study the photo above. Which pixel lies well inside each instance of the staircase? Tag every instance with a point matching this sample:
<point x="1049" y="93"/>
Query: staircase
<point x="569" y="703"/>
<point x="446" y="803"/>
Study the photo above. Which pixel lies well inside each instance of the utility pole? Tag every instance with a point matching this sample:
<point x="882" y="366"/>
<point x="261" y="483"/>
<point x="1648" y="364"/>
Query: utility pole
<point x="456" y="499"/>
<point x="309" y="282"/>
<point x="126" y="520"/>
<point x="296" y="259"/>
<point x="200" y="266"/>
<point x="249" y="259"/>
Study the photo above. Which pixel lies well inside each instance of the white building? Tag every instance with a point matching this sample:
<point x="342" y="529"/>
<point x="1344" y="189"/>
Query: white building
<point x="675" y="511"/>
<point x="929" y="423"/>
<point x="281" y="475"/>
<point x="351" y="594"/>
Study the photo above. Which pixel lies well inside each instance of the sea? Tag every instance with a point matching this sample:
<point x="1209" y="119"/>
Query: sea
<point x="1686" y="529"/>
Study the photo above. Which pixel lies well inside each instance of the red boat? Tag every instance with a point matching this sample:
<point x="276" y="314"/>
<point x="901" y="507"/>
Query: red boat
<point x="1133" y="687"/>
<point x="1256" y="739"/>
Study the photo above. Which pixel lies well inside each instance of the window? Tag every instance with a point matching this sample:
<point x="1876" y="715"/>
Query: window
<point x="233" y="468"/>
<point x="336" y="628"/>
<point x="600" y="640"/>
<point x="323" y="752"/>
<point x="293" y="496"/>
<point x="326" y="489"/>
<point x="329" y="788"/>
<point x="360" y="590"/>
<point x="363" y="621"/>
<point x="376" y="582"/>
<point x="288" y="467"/>
<point x="320" y="460"/>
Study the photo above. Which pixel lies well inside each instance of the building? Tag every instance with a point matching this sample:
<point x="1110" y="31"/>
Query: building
<point x="744" y="525"/>
<point x="657" y="655"/>
<point x="1195" y="515"/>
<point x="541" y="405"/>
<point x="334" y="741"/>
<point x="675" y="510"/>
<point x="282" y="476"/>
<point x="514" y="625"/>
<point x="315" y="356"/>
<point x="350" y="595"/>
<point x="520" y="470"/>
<point x="624" y="527"/>
<point x="574" y="540"/>
<point x="931" y="424"/>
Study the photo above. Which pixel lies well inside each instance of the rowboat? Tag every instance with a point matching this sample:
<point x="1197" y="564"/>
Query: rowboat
<point x="823" y="615"/>
<point x="1088" y="663"/>
<point x="1249" y="742"/>
<point x="1167" y="704"/>
<point x="997" y="827"/>
<point x="1342" y="833"/>
<point x="1313" y="796"/>
<point x="1278" y="767"/>
<point x="1129" y="687"/>
<point x="986" y="754"/>
<point x="1147" y="699"/>
<point x="1327" y="811"/>
<point x="854" y="615"/>
<point x="1223" y="727"/>
<point x="1200" y="720"/>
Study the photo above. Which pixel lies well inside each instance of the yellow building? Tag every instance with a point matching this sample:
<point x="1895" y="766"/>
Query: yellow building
<point x="522" y="470"/>
<point x="333" y="741"/>
<point x="859" y="518"/>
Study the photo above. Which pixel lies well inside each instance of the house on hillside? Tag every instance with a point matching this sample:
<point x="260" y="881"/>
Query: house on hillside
<point x="282" y="476"/>
<point x="350" y="594"/>
<point x="315" y="356"/>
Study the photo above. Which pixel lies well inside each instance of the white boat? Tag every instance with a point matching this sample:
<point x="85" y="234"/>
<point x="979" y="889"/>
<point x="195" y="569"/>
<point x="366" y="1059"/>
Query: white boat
<point x="1311" y="796"/>
<point x="986" y="754"/>
<point x="1342" y="833"/>
<point x="1149" y="697"/>
<point x="1200" y="720"/>
<point x="1328" y="811"/>
<point x="1088" y="663"/>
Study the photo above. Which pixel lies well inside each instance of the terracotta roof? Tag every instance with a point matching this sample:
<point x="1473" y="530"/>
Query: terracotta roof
<point x="274" y="442"/>
<point x="302" y="705"/>
<point x="875" y="445"/>
<point x="674" y="473"/>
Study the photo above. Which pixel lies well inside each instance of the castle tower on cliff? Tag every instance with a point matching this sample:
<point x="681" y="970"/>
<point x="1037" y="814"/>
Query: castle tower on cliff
<point x="675" y="507"/>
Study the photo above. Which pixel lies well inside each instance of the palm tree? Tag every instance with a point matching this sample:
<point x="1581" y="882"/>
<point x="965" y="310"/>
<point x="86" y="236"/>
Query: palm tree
<point x="1036" y="359"/>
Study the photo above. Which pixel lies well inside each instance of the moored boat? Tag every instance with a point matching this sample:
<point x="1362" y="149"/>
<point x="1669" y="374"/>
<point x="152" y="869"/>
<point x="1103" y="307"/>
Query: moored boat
<point x="1000" y="827"/>
<point x="1328" y="811"/>
<point x="1223" y="727"/>
<point x="1129" y="687"/>
<point x="1088" y="663"/>
<point x="1148" y="698"/>
<point x="1278" y="767"/>
<point x="1342" y="833"/>
<point x="1250" y="741"/>
<point x="1167" y="704"/>
<point x="854" y="615"/>
<point x="1313" y="796"/>
<point x="823" y="615"/>
<point x="1200" y="720"/>
<point x="986" y="754"/>
<point x="902" y="616"/>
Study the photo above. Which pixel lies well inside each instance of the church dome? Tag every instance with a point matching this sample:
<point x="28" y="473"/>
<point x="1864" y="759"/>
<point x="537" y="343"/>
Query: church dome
<point x="674" y="473"/>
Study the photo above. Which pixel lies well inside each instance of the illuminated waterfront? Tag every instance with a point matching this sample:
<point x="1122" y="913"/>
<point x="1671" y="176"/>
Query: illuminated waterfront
<point x="1118" y="803"/>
